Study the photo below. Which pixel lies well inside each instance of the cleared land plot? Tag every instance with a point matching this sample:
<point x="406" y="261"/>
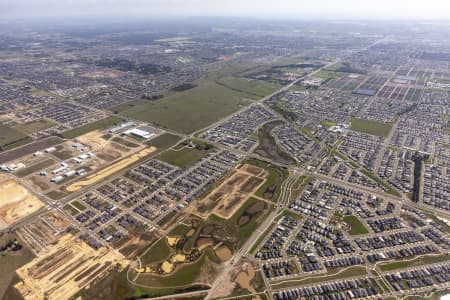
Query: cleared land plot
<point x="229" y="196"/>
<point x="17" y="202"/>
<point x="125" y="142"/>
<point x="10" y="137"/>
<point x="29" y="149"/>
<point x="105" y="149"/>
<point x="97" y="125"/>
<point x="104" y="173"/>
<point x="371" y="127"/>
<point x="67" y="267"/>
<point x="34" y="126"/>
<point x="252" y="87"/>
<point x="356" y="227"/>
<point x="190" y="110"/>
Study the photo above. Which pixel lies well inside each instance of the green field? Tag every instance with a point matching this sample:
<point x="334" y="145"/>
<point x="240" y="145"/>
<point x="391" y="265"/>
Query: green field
<point x="371" y="127"/>
<point x="125" y="142"/>
<point x="159" y="251"/>
<point x="324" y="74"/>
<point x="78" y="205"/>
<point x="328" y="123"/>
<point x="180" y="229"/>
<point x="164" y="140"/>
<point x="185" y="156"/>
<point x="356" y="227"/>
<point x="414" y="262"/>
<point x="34" y="126"/>
<point x="245" y="231"/>
<point x="189" y="110"/>
<point x="272" y="186"/>
<point x="184" y="275"/>
<point x="98" y="125"/>
<point x="10" y="137"/>
<point x="350" y="272"/>
<point x="252" y="87"/>
<point x="9" y="263"/>
<point x="124" y="106"/>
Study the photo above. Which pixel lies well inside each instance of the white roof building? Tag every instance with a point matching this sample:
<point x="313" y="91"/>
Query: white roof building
<point x="139" y="133"/>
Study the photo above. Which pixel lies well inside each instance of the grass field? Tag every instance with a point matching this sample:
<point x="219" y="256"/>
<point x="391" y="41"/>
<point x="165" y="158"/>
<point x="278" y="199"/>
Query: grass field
<point x="9" y="263"/>
<point x="163" y="141"/>
<point x="328" y="123"/>
<point x="356" y="227"/>
<point x="184" y="157"/>
<point x="98" y="125"/>
<point x="371" y="127"/>
<point x="121" y="107"/>
<point x="180" y="229"/>
<point x="34" y="126"/>
<point x="184" y="275"/>
<point x="189" y="110"/>
<point x="256" y="88"/>
<point x="350" y="272"/>
<point x="167" y="218"/>
<point x="272" y="187"/>
<point x="324" y="74"/>
<point x="245" y="231"/>
<point x="415" y="262"/>
<point x="10" y="137"/>
<point x="125" y="142"/>
<point x="159" y="251"/>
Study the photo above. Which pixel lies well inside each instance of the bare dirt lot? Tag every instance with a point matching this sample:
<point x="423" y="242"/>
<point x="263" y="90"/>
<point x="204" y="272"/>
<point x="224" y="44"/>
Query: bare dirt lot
<point x="43" y="231"/>
<point x="228" y="197"/>
<point x="16" y="202"/>
<point x="116" y="167"/>
<point x="63" y="270"/>
<point x="105" y="149"/>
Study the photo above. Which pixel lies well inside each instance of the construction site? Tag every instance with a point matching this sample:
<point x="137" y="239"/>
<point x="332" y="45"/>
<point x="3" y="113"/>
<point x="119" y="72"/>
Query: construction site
<point x="17" y="202"/>
<point x="116" y="167"/>
<point x="229" y="196"/>
<point x="43" y="231"/>
<point x="65" y="268"/>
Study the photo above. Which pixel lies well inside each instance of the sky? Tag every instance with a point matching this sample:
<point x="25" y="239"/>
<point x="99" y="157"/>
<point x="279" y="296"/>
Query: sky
<point x="292" y="9"/>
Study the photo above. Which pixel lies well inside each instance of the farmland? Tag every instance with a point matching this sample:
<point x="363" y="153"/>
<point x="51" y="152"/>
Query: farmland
<point x="255" y="88"/>
<point x="189" y="110"/>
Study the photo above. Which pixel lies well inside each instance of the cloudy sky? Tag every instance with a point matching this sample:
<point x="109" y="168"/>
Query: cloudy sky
<point x="301" y="9"/>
